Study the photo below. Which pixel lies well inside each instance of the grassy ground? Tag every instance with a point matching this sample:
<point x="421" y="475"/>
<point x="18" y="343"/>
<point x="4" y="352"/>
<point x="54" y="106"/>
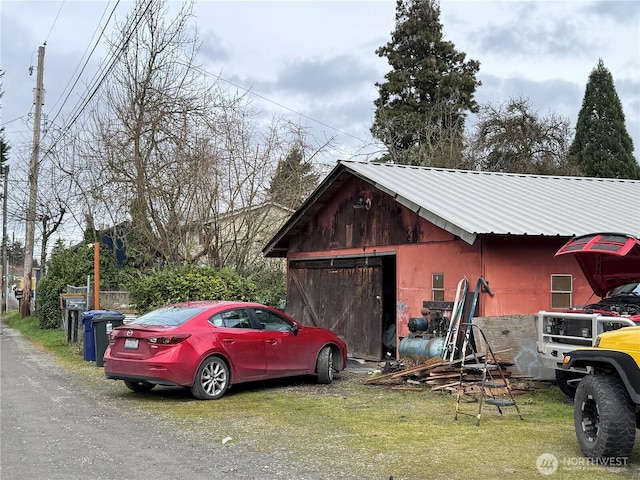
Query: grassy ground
<point x="349" y="426"/>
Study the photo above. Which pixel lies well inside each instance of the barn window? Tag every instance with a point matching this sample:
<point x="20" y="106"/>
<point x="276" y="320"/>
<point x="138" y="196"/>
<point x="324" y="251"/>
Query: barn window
<point x="561" y="291"/>
<point x="437" y="287"/>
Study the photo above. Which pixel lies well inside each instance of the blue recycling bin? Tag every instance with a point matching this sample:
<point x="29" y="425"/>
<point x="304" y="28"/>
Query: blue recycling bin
<point x="89" y="337"/>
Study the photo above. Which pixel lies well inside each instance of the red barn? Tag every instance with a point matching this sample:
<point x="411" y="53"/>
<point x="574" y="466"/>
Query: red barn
<point x="376" y="243"/>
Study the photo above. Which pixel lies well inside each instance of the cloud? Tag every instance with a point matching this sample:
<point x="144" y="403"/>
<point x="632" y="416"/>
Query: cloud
<point x="213" y="48"/>
<point x="323" y="77"/>
<point x="620" y="11"/>
<point x="559" y="38"/>
<point x="559" y="96"/>
<point x="629" y="89"/>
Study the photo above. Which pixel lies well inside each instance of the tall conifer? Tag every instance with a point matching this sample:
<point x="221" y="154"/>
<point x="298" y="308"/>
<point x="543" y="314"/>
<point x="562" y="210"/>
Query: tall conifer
<point x="602" y="146"/>
<point x="423" y="101"/>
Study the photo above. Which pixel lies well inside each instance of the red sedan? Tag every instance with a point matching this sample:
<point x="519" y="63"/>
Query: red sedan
<point x="210" y="345"/>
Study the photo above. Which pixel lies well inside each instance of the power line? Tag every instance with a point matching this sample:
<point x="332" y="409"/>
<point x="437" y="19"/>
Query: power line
<point x="54" y="22"/>
<point x="86" y="61"/>
<point x="252" y="92"/>
<point x="14" y="120"/>
<point x="83" y="103"/>
<point x="136" y="18"/>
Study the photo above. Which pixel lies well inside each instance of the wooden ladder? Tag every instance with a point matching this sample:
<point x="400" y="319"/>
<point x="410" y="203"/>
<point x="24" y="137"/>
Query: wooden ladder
<point x="491" y="377"/>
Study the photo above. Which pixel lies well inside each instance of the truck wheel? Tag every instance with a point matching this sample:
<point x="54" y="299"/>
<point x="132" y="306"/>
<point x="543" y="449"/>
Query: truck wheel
<point x="604" y="417"/>
<point x="568" y="382"/>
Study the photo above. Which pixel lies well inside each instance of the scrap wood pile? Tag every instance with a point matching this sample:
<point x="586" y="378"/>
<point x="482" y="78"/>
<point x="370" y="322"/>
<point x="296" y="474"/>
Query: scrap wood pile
<point x="439" y="375"/>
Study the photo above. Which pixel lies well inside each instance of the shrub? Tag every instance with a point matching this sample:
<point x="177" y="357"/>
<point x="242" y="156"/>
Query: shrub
<point x="70" y="267"/>
<point x="271" y="286"/>
<point x="48" y="300"/>
<point x="187" y="282"/>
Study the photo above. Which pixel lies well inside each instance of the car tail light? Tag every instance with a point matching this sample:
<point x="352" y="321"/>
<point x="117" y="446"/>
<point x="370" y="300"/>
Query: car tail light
<point x="172" y="340"/>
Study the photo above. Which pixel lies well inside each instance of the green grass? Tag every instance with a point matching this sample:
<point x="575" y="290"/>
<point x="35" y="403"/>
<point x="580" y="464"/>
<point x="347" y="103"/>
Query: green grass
<point x="368" y="430"/>
<point x="54" y="341"/>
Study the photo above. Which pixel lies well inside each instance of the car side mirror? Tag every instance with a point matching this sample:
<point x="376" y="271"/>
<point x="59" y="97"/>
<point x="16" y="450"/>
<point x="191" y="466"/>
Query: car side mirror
<point x="294" y="329"/>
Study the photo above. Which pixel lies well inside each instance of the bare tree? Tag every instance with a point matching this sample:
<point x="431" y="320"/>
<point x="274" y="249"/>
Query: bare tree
<point x="56" y="195"/>
<point x="513" y="138"/>
<point x="187" y="164"/>
<point x="51" y="204"/>
<point x="149" y="140"/>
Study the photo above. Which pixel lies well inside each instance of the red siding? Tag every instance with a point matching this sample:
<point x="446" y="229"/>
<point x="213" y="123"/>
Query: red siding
<point x="518" y="269"/>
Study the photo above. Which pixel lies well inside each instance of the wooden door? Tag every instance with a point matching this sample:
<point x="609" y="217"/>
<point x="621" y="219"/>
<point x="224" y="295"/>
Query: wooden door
<point x="344" y="295"/>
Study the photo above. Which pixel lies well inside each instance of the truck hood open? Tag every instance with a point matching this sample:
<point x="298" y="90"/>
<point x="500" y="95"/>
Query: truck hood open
<point x="608" y="260"/>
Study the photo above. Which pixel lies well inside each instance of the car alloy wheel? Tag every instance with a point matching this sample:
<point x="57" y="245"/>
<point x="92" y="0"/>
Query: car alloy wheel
<point x="212" y="379"/>
<point x="324" y="365"/>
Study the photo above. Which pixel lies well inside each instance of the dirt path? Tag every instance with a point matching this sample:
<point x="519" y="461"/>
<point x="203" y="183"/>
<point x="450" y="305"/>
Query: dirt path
<point x="54" y="426"/>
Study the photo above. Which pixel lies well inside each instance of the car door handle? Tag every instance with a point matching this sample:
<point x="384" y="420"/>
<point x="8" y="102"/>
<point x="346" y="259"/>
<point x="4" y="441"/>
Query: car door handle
<point x="228" y="340"/>
<point x="271" y="341"/>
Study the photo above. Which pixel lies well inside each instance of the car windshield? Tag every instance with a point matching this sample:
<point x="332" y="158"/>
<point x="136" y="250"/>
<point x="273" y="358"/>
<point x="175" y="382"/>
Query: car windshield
<point x="628" y="289"/>
<point x="168" y="316"/>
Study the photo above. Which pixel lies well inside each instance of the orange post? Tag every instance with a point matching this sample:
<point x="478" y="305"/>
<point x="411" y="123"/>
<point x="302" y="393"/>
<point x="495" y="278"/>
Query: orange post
<point x="96" y="276"/>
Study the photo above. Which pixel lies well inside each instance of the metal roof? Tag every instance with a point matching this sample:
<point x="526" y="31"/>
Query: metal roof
<point x="470" y="203"/>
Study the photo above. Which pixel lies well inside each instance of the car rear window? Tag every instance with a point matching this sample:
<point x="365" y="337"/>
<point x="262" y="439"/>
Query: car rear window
<point x="168" y="316"/>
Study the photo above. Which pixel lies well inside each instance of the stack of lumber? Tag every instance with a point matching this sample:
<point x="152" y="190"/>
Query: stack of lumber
<point x="438" y="375"/>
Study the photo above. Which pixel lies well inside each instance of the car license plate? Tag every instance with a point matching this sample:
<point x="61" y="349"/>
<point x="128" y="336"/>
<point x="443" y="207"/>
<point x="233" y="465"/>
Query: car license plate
<point x="131" y="343"/>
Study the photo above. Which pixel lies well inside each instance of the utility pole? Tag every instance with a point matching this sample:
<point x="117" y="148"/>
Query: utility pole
<point x="33" y="189"/>
<point x="4" y="170"/>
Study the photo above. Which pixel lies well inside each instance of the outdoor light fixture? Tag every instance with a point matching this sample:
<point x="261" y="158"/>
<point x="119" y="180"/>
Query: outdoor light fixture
<point x="363" y="203"/>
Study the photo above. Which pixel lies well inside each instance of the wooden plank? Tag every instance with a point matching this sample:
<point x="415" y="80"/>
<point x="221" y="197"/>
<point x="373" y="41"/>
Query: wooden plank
<point x="427" y="365"/>
<point x="303" y="296"/>
<point x="445" y="386"/>
<point x="444" y="375"/>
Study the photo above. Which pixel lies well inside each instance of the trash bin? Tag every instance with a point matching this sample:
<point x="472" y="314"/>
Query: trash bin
<point x="89" y="338"/>
<point x="89" y="341"/>
<point x="102" y="326"/>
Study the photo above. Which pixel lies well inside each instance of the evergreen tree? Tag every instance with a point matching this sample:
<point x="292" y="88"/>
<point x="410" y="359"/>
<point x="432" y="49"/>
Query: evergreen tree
<point x="602" y="146"/>
<point x="422" y="105"/>
<point x="294" y="180"/>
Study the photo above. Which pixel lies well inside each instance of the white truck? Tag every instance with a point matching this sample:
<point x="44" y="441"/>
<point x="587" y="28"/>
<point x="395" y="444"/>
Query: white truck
<point x="611" y="264"/>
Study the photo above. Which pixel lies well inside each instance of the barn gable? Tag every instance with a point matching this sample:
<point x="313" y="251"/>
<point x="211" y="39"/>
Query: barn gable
<point x="493" y="203"/>
<point x="375" y="244"/>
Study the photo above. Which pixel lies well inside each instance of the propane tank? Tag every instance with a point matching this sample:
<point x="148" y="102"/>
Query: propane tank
<point x="421" y="347"/>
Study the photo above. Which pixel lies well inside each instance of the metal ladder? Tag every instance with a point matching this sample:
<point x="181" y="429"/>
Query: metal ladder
<point x="487" y="383"/>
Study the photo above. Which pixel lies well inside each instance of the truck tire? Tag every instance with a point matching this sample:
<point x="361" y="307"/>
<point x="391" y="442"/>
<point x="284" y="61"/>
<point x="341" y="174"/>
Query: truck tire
<point x="567" y="382"/>
<point x="604" y="417"/>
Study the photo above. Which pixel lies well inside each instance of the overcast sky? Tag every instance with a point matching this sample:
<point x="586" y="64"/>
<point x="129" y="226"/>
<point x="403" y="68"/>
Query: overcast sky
<point x="315" y="63"/>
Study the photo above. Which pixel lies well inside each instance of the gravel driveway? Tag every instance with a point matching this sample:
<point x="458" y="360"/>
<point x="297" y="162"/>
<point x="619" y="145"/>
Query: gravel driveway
<point x="55" y="427"/>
